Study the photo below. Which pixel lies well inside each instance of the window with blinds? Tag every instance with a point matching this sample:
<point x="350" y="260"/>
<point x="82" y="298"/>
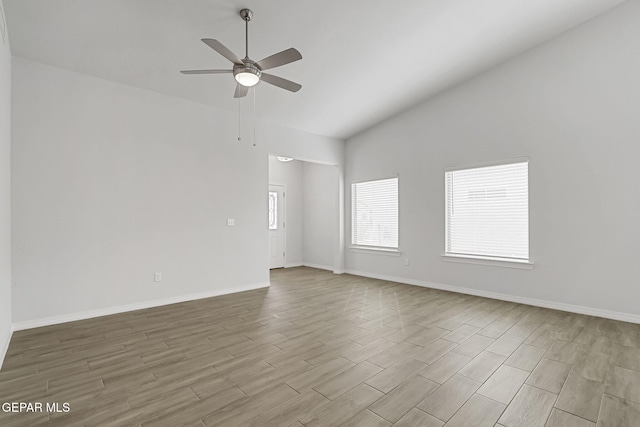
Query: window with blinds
<point x="487" y="212"/>
<point x="374" y="213"/>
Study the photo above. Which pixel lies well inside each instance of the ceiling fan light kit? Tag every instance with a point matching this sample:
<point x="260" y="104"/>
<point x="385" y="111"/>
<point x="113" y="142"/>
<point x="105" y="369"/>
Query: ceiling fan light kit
<point x="247" y="72"/>
<point x="247" y="75"/>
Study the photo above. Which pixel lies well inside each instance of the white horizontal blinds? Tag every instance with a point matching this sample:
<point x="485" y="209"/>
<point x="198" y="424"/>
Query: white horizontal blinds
<point x="487" y="211"/>
<point x="374" y="210"/>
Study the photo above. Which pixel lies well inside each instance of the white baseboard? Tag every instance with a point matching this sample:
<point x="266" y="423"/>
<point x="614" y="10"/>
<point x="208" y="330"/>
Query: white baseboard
<point x="293" y="264"/>
<point x="5" y="347"/>
<point x="590" y="311"/>
<point x="318" y="266"/>
<point x="54" y="320"/>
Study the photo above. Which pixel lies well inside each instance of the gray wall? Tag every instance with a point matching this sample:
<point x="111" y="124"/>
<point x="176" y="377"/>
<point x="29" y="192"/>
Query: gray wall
<point x="571" y="106"/>
<point x="5" y="195"/>
<point x="112" y="183"/>
<point x="320" y="213"/>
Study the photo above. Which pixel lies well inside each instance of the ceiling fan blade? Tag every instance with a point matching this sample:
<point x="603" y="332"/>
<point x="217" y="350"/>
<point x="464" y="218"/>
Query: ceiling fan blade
<point x="206" y="71"/>
<point x="280" y="58"/>
<point x="222" y="50"/>
<point x="280" y="82"/>
<point x="241" y="91"/>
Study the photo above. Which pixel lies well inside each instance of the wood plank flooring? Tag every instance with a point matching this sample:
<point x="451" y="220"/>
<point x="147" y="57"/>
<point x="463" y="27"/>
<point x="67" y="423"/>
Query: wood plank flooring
<point x="318" y="349"/>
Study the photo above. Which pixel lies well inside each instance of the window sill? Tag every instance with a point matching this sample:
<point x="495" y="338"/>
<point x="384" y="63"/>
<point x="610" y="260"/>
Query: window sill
<point x="373" y="250"/>
<point x="495" y="262"/>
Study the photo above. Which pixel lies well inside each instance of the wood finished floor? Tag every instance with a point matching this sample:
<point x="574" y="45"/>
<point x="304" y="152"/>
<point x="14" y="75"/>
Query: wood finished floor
<point x="318" y="349"/>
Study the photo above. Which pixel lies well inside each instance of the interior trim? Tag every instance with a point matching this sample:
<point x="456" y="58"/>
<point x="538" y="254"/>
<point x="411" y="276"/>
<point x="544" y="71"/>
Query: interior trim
<point x="374" y="250"/>
<point x="318" y="266"/>
<point x="293" y="264"/>
<point x="572" y="308"/>
<point x="495" y="262"/>
<point x="5" y="348"/>
<point x="54" y="320"/>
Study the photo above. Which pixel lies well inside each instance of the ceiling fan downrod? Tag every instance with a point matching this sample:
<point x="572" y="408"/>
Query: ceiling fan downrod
<point x="246" y="15"/>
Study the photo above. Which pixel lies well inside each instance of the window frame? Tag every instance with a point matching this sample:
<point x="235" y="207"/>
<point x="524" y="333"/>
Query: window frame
<point x="519" y="263"/>
<point x="383" y="250"/>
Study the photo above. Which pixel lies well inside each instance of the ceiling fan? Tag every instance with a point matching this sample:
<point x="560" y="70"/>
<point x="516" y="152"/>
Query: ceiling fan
<point x="248" y="72"/>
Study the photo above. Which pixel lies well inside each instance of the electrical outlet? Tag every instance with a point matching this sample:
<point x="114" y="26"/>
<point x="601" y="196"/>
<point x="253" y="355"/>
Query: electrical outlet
<point x="231" y="222"/>
<point x="157" y="277"/>
<point x="406" y="261"/>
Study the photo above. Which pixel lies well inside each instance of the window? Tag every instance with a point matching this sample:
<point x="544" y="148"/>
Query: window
<point x="273" y="210"/>
<point x="487" y="212"/>
<point x="374" y="213"/>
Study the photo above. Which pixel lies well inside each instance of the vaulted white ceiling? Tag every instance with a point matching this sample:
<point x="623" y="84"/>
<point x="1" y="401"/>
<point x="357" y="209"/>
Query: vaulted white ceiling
<point x="363" y="60"/>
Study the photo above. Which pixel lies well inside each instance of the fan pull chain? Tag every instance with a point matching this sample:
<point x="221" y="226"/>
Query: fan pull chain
<point x="254" y="118"/>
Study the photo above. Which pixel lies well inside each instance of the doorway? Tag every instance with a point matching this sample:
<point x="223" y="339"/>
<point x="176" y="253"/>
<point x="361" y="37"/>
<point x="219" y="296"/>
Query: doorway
<point x="277" y="236"/>
<point x="312" y="207"/>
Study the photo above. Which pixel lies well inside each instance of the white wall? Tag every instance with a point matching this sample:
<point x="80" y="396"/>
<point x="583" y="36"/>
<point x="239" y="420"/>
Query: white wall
<point x="289" y="174"/>
<point x="571" y="106"/>
<point x="5" y="195"/>
<point x="300" y="145"/>
<point x="320" y="213"/>
<point x="113" y="183"/>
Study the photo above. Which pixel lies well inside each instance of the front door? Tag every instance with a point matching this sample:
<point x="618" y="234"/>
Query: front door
<point x="276" y="226"/>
